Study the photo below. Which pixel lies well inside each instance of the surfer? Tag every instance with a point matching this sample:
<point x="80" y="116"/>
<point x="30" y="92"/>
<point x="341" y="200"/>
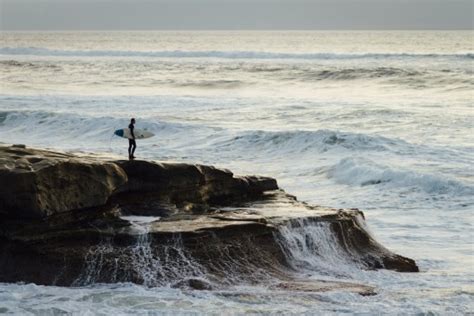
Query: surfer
<point x="132" y="134"/>
<point x="132" y="145"/>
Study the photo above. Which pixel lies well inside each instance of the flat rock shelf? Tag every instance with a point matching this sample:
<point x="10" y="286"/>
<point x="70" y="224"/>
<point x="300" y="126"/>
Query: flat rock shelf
<point x="75" y="220"/>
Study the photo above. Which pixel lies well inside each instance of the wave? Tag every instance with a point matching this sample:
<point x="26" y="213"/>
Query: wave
<point x="38" y="51"/>
<point x="66" y="128"/>
<point x="72" y="127"/>
<point x="300" y="141"/>
<point x="364" y="172"/>
<point x="14" y="63"/>
<point x="203" y="75"/>
<point x="98" y="128"/>
<point x="23" y="64"/>
<point x="361" y="73"/>
<point x="209" y="84"/>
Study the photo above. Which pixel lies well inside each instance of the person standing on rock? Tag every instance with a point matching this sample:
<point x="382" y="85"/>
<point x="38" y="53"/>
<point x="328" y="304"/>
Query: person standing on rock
<point x="132" y="144"/>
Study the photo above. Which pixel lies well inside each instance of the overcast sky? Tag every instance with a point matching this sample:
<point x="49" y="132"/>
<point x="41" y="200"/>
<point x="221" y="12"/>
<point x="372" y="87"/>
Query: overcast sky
<point x="234" y="14"/>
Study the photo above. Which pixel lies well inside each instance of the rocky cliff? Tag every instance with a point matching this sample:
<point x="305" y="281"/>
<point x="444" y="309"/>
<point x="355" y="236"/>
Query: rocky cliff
<point x="77" y="220"/>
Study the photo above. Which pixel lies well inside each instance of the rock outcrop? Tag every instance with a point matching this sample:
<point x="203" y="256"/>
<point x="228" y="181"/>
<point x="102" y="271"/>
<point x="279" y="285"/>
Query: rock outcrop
<point x="38" y="183"/>
<point x="75" y="220"/>
<point x="180" y="183"/>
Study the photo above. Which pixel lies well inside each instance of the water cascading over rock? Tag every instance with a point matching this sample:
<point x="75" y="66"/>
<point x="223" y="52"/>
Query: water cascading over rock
<point x="163" y="224"/>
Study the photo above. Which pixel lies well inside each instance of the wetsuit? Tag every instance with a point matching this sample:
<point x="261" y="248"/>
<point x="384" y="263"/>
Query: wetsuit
<point x="132" y="145"/>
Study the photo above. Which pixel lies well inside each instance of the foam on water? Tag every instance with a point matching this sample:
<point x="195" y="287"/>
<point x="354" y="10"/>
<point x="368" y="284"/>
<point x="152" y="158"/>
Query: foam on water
<point x="366" y="172"/>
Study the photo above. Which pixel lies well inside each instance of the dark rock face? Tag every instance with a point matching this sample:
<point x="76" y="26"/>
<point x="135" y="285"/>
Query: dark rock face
<point x="36" y="184"/>
<point x="180" y="183"/>
<point x="72" y="220"/>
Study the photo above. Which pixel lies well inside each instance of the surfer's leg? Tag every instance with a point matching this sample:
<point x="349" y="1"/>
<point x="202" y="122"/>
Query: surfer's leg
<point x="134" y="146"/>
<point x="130" y="143"/>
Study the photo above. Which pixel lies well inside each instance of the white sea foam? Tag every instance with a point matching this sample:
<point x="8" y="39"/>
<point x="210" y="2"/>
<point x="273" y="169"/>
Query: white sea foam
<point x="366" y="172"/>
<point x="301" y="141"/>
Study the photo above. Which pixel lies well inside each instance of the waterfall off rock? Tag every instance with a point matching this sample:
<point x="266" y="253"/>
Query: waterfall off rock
<point x="173" y="225"/>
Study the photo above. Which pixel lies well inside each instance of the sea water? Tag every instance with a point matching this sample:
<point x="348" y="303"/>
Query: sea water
<point x="381" y="121"/>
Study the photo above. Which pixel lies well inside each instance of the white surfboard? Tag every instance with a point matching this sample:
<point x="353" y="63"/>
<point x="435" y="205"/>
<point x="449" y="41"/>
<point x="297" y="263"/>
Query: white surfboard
<point x="139" y="133"/>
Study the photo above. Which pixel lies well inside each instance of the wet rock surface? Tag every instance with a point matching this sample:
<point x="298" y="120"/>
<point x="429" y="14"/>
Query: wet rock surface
<point x="77" y="220"/>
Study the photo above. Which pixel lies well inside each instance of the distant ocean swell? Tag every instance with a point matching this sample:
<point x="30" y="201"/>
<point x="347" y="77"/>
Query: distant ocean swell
<point x="220" y="54"/>
<point x="203" y="75"/>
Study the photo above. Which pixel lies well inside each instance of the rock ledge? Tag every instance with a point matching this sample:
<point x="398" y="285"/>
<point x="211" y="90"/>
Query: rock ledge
<point x="77" y="220"/>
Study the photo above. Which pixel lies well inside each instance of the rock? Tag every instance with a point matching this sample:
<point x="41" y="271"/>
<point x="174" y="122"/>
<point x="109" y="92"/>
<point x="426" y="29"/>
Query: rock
<point x="63" y="222"/>
<point x="325" y="286"/>
<point x="36" y="183"/>
<point x="181" y="183"/>
<point x="195" y="284"/>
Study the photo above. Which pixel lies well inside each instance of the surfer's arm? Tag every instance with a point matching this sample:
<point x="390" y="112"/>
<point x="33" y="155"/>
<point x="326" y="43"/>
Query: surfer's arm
<point x="131" y="132"/>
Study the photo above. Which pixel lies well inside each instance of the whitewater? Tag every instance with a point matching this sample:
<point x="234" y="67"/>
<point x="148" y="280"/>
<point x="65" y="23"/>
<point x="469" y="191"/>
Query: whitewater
<point x="380" y="121"/>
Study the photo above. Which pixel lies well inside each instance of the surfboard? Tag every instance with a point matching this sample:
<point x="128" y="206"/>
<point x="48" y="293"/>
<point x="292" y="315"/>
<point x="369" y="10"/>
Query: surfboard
<point x="139" y="133"/>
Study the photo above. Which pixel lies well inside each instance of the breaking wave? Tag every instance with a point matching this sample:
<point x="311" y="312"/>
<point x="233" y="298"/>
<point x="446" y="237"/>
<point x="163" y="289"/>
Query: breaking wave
<point x="73" y="131"/>
<point x="301" y="141"/>
<point x="364" y="172"/>
<point x="37" y="51"/>
<point x="98" y="127"/>
<point x="73" y="126"/>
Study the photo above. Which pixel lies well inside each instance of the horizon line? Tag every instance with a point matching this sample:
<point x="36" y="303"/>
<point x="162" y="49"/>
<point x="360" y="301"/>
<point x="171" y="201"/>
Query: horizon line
<point x="238" y="30"/>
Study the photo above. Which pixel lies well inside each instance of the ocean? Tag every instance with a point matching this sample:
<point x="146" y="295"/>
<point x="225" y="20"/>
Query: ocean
<point x="376" y="120"/>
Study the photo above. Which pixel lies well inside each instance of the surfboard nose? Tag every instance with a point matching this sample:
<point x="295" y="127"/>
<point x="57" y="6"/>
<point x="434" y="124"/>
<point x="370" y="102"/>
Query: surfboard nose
<point x="119" y="132"/>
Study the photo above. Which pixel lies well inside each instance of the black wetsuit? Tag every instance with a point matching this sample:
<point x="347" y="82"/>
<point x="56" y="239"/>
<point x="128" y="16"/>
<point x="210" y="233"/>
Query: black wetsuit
<point x="132" y="145"/>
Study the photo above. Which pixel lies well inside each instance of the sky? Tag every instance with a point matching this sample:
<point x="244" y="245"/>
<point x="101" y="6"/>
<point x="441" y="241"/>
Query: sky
<point x="235" y="14"/>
